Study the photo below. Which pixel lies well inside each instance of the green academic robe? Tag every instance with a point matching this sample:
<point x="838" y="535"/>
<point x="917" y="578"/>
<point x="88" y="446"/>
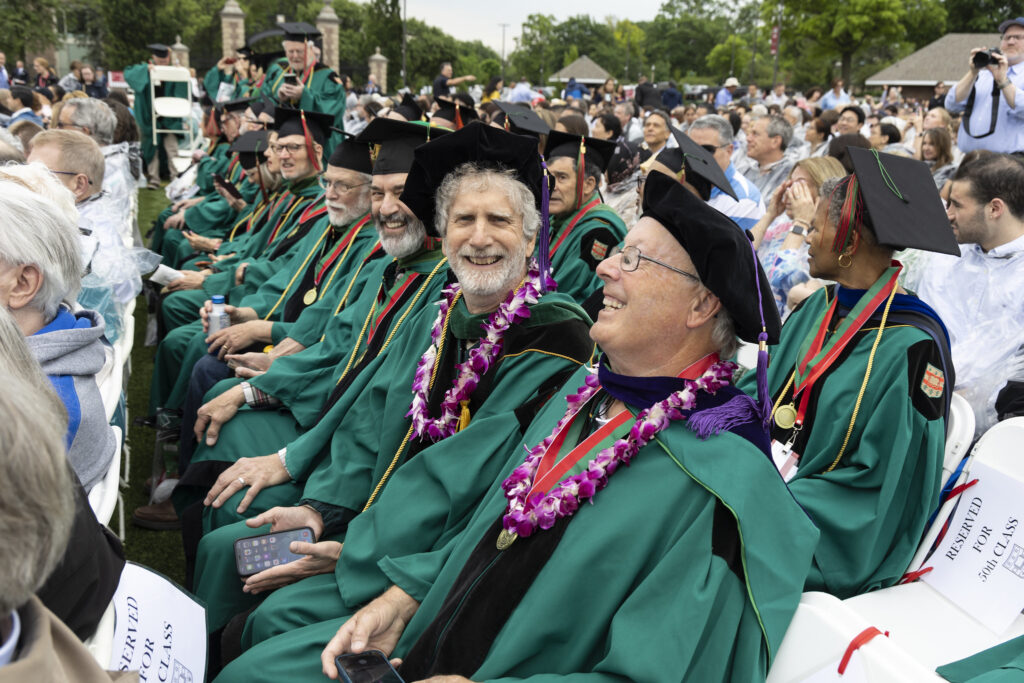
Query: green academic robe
<point x="579" y="244"/>
<point x="137" y="77"/>
<point x="688" y="566"/>
<point x="872" y="505"/>
<point x="304" y="382"/>
<point x="323" y="92"/>
<point x="366" y="433"/>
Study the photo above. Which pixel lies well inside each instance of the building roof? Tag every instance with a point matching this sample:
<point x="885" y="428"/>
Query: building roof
<point x="945" y="60"/>
<point x="584" y="70"/>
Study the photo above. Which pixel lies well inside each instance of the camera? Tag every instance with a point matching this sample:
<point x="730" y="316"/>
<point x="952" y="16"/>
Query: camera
<point x="985" y="57"/>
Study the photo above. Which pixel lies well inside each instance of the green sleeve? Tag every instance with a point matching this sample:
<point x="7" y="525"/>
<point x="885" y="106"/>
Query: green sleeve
<point x="212" y="80"/>
<point x="576" y="259"/>
<point x="213" y="217"/>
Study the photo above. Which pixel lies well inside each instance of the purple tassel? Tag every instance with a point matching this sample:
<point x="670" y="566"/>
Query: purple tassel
<point x="763" y="398"/>
<point x="543" y="258"/>
<point x="737" y="411"/>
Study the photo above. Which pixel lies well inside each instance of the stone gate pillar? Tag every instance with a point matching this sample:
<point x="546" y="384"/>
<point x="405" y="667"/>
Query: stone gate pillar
<point x="232" y="28"/>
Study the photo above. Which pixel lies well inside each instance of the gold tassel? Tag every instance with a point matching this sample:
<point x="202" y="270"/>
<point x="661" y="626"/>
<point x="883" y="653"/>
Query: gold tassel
<point x="464" y="416"/>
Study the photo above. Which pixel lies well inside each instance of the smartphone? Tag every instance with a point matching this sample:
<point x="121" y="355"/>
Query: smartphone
<point x="231" y="189"/>
<point x="291" y="79"/>
<point x="371" y="666"/>
<point x="253" y="554"/>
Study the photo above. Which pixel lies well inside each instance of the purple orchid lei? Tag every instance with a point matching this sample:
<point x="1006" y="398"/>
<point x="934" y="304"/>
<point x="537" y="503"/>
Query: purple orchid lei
<point x="523" y="517"/>
<point x="516" y="307"/>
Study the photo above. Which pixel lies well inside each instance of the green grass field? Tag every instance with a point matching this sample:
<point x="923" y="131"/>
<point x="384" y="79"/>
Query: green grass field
<point x="161" y="550"/>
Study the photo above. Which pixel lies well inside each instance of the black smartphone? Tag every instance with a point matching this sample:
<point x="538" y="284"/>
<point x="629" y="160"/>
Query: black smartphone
<point x="371" y="666"/>
<point x="291" y="79"/>
<point x="253" y="554"/>
<point x="230" y="188"/>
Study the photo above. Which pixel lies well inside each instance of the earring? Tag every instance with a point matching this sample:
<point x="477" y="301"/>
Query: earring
<point x="847" y="263"/>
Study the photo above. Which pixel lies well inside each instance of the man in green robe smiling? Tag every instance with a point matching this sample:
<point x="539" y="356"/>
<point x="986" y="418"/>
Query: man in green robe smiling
<point x="443" y="380"/>
<point x="686" y="565"/>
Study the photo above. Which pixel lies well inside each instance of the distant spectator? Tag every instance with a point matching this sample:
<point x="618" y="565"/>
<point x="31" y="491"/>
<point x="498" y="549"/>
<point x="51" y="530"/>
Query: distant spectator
<point x="606" y="92"/>
<point x="371" y="86"/>
<point x="574" y="124"/>
<point x="632" y="130"/>
<point x="493" y="90"/>
<point x="606" y="127"/>
<point x="93" y="88"/>
<point x="767" y="140"/>
<point x="753" y="96"/>
<point x="939" y="98"/>
<point x="19" y="76"/>
<point x="28" y="106"/>
<point x="671" y="97"/>
<point x="646" y="95"/>
<point x="836" y="97"/>
<point x="851" y="119"/>
<point x="522" y="92"/>
<point x="72" y="81"/>
<point x="657" y="132"/>
<point x="886" y="137"/>
<point x="44" y="75"/>
<point x="724" y="96"/>
<point x="777" y="95"/>
<point x="714" y="133"/>
<point x="574" y="89"/>
<point x="937" y="152"/>
<point x="444" y="82"/>
<point x="839" y="146"/>
<point x="816" y="136"/>
<point x="5" y="77"/>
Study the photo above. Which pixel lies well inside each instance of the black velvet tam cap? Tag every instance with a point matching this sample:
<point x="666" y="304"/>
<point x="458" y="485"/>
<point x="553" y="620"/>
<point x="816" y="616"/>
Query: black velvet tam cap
<point x="158" y="49"/>
<point x="409" y="109"/>
<point x="250" y="147"/>
<point x="299" y="31"/>
<point x="701" y="162"/>
<point x="288" y="121"/>
<point x="355" y="156"/>
<point x="902" y="202"/>
<point x="485" y="145"/>
<point x="521" y="119"/>
<point x="567" y="145"/>
<point x="721" y="252"/>
<point x="447" y="111"/>
<point x="396" y="141"/>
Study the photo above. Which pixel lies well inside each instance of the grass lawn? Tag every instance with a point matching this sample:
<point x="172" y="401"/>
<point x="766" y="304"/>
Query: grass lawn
<point x="161" y="550"/>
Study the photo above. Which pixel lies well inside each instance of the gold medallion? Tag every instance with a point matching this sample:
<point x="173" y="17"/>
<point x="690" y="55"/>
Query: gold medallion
<point x="785" y="416"/>
<point x="506" y="538"/>
<point x="309" y="297"/>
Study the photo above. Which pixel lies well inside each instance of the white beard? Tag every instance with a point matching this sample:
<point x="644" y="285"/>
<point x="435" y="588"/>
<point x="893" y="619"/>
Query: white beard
<point x="486" y="284"/>
<point x="406" y="244"/>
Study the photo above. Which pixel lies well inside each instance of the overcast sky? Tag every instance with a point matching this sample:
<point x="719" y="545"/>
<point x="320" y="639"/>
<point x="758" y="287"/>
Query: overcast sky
<point x="480" y="19"/>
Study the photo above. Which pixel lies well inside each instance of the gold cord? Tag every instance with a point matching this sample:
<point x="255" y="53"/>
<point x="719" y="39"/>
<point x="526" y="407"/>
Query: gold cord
<point x="430" y="385"/>
<point x="298" y="272"/>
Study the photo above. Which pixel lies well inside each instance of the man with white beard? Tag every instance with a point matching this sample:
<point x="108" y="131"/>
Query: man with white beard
<point x="460" y="380"/>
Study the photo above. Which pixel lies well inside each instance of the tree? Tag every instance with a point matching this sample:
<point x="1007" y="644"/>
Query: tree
<point x="841" y="28"/>
<point x="28" y="25"/>
<point x="980" y="16"/>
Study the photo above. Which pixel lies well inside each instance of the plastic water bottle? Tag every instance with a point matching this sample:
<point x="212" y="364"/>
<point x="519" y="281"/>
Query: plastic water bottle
<point x="219" y="319"/>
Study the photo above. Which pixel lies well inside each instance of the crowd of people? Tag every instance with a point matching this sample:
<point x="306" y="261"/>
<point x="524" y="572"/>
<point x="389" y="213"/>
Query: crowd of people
<point x="428" y="329"/>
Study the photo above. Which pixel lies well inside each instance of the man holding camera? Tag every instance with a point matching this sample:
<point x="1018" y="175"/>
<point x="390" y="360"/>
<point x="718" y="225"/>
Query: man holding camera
<point x="990" y="94"/>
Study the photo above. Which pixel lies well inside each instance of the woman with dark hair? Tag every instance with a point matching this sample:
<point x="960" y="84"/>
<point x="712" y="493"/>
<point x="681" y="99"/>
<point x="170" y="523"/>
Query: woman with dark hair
<point x="574" y="124"/>
<point x="860" y="380"/>
<point x="816" y="136"/>
<point x="493" y="89"/>
<point x="937" y="152"/>
<point x="839" y="147"/>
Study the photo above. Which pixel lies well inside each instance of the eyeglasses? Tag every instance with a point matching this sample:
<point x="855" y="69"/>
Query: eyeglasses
<point x="714" y="148"/>
<point x="256" y="122"/>
<point x="1014" y="37"/>
<point x="338" y="186"/>
<point x="62" y="126"/>
<point x="71" y="173"/>
<point x="293" y="148"/>
<point x="631" y="258"/>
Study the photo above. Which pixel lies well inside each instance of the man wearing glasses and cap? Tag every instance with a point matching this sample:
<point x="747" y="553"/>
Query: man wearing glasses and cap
<point x="137" y="77"/>
<point x="299" y="80"/>
<point x="990" y="94"/>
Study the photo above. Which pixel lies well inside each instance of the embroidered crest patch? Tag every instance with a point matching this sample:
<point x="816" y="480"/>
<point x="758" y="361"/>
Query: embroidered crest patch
<point x="933" y="381"/>
<point x="598" y="250"/>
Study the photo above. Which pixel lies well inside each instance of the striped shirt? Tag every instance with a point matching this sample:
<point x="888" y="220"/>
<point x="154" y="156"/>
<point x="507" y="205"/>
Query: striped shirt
<point x="747" y="209"/>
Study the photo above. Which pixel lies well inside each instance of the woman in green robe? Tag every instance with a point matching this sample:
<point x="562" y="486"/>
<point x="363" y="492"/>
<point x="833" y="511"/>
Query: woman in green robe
<point x="860" y="380"/>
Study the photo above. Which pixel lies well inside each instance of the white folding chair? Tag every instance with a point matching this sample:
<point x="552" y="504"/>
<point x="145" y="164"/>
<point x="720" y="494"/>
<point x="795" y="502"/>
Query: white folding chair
<point x="101" y="643"/>
<point x="921" y="620"/>
<point x="171" y="107"/>
<point x="819" y="635"/>
<point x="105" y="496"/>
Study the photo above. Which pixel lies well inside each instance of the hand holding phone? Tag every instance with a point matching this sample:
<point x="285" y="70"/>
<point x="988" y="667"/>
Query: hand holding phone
<point x="371" y="666"/>
<point x="226" y="186"/>
<point x="255" y="553"/>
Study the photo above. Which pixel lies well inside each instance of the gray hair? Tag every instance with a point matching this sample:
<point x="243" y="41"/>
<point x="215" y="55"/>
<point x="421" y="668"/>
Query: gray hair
<point x="36" y="498"/>
<point x="474" y="177"/>
<point x="827" y="191"/>
<point x="95" y="115"/>
<point x="723" y="334"/>
<point x="33" y="231"/>
<point x="778" y="126"/>
<point x="717" y="123"/>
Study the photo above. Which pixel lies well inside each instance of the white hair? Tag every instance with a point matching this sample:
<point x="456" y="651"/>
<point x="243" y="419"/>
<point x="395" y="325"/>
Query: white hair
<point x="40" y="228"/>
<point x="473" y="177"/>
<point x="36" y="498"/>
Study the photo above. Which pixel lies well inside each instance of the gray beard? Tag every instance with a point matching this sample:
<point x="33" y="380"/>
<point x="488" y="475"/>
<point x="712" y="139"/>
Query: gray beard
<point x="343" y="216"/>
<point x="489" y="284"/>
<point x="406" y="244"/>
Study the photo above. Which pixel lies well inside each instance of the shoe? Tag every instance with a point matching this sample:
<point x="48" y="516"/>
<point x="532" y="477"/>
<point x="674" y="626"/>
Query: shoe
<point x="153" y="185"/>
<point x="159" y="517"/>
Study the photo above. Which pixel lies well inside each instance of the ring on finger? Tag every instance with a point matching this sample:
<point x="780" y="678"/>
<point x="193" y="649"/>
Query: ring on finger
<point x="241" y="481"/>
